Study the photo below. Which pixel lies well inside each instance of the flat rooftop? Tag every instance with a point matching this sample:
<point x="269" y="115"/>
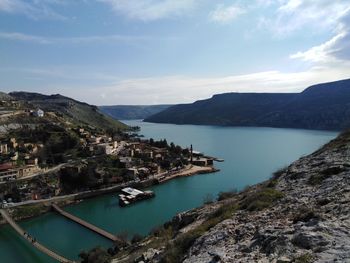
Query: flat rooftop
<point x="132" y="191"/>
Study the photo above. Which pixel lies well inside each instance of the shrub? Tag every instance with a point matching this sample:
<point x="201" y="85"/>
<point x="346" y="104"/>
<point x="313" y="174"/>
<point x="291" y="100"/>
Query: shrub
<point x="271" y="183"/>
<point x="28" y="211"/>
<point x="317" y="179"/>
<point x="227" y="195"/>
<point x="305" y="214"/>
<point x="224" y="211"/>
<point x="176" y="251"/>
<point x="136" y="238"/>
<point x="261" y="199"/>
<point x="95" y="255"/>
<point x="305" y="258"/>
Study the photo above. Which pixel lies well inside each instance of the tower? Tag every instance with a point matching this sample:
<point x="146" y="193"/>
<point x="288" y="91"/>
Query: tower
<point x="191" y="152"/>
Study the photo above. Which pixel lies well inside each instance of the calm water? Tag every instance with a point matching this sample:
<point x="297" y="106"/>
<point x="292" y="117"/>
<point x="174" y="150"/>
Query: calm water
<point x="251" y="155"/>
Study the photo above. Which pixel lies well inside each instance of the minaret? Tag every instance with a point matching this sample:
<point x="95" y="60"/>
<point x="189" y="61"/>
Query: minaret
<point x="191" y="153"/>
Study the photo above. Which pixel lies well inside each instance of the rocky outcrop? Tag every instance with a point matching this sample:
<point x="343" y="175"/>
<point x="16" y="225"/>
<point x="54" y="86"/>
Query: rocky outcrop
<point x="311" y="223"/>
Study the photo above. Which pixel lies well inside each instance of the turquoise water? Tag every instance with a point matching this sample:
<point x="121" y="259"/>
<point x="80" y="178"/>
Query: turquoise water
<point x="251" y="155"/>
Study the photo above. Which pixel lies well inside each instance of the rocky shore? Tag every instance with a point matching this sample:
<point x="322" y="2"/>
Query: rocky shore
<point x="301" y="215"/>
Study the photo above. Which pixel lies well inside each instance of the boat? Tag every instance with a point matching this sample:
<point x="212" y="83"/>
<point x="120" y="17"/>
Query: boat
<point x="131" y="195"/>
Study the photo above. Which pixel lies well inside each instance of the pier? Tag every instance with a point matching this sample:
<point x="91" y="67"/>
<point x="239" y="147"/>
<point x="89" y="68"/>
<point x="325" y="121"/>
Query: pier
<point x="85" y="224"/>
<point x="31" y="240"/>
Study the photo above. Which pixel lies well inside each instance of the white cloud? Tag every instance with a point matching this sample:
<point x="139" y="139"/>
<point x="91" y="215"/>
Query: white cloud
<point x="34" y="9"/>
<point x="181" y="89"/>
<point x="226" y="14"/>
<point x="294" y="15"/>
<point x="337" y="48"/>
<point x="88" y="85"/>
<point x="323" y="52"/>
<point x="15" y="36"/>
<point x="150" y="10"/>
<point x="24" y="37"/>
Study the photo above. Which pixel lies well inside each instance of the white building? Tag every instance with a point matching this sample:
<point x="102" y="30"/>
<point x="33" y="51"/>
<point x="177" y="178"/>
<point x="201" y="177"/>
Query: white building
<point x="39" y="113"/>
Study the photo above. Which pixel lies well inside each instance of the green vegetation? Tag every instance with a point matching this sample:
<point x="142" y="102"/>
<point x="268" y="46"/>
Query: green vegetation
<point x="176" y="251"/>
<point x="317" y="179"/>
<point x="27" y="211"/>
<point x="260" y="199"/>
<point x="305" y="258"/>
<point x="305" y="214"/>
<point x="75" y="112"/>
<point x="57" y="142"/>
<point x="96" y="255"/>
<point x="227" y="195"/>
<point x="136" y="238"/>
<point x="92" y="174"/>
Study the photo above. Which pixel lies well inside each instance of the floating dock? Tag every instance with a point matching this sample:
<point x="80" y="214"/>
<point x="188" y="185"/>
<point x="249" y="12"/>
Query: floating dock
<point x="86" y="224"/>
<point x="131" y="195"/>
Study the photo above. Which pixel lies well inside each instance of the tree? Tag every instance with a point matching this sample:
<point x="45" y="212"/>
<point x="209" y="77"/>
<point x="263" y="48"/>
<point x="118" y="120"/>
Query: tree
<point x="96" y="255"/>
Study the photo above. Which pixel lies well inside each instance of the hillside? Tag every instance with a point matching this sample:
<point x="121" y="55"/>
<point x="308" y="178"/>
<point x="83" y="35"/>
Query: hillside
<point x="323" y="106"/>
<point x="300" y="215"/>
<point x="132" y="112"/>
<point x="72" y="110"/>
<point x="4" y="96"/>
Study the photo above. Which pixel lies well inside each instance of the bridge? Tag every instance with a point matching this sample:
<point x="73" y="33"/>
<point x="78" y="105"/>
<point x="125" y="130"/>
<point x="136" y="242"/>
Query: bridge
<point x="86" y="224"/>
<point x="31" y="240"/>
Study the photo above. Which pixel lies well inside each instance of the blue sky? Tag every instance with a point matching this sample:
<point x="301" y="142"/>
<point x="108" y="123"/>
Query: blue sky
<point x="109" y="52"/>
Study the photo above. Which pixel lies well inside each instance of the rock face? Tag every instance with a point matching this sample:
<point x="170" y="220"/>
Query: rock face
<point x="311" y="223"/>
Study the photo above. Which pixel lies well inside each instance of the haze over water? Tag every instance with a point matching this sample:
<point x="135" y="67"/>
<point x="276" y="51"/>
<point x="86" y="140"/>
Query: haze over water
<point x="251" y="156"/>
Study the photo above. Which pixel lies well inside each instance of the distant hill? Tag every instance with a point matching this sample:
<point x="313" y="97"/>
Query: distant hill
<point x="323" y="106"/>
<point x="132" y="112"/>
<point x="72" y="110"/>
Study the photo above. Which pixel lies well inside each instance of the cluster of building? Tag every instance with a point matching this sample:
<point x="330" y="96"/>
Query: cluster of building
<point x="138" y="159"/>
<point x="10" y="167"/>
<point x="98" y="144"/>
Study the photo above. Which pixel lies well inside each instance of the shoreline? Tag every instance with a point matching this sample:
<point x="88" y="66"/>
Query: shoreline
<point x="66" y="200"/>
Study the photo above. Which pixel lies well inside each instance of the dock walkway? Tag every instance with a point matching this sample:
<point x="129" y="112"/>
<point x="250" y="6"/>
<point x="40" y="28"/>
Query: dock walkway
<point x="35" y="243"/>
<point x="85" y="224"/>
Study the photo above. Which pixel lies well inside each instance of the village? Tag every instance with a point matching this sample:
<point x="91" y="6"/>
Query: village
<point x="92" y="160"/>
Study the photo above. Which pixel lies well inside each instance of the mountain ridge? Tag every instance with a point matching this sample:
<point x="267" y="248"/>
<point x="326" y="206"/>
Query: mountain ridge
<point x="74" y="110"/>
<point x="323" y="106"/>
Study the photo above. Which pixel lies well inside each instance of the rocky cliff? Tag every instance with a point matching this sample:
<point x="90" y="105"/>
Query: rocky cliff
<point x="301" y="215"/>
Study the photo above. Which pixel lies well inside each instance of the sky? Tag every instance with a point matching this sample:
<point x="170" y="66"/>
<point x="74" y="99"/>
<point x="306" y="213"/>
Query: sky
<point x="113" y="52"/>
